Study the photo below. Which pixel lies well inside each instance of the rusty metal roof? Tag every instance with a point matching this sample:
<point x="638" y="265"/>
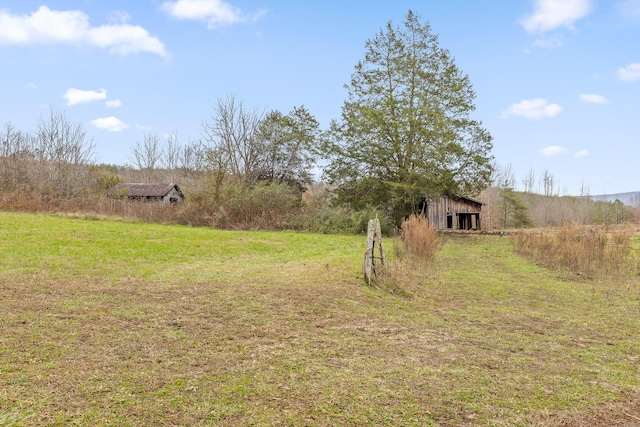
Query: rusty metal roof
<point x="142" y="190"/>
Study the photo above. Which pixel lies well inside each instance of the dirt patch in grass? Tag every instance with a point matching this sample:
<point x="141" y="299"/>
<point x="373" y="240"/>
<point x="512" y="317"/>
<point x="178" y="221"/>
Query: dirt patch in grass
<point x="624" y="412"/>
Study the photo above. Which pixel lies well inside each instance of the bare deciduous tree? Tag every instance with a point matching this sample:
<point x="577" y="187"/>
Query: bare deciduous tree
<point x="193" y="158"/>
<point x="146" y="155"/>
<point x="61" y="141"/>
<point x="171" y="152"/>
<point x="15" y="154"/>
<point x="529" y="181"/>
<point x="548" y="183"/>
<point x="62" y="151"/>
<point x="232" y="136"/>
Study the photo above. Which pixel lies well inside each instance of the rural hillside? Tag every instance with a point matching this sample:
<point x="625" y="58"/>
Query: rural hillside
<point x="630" y="199"/>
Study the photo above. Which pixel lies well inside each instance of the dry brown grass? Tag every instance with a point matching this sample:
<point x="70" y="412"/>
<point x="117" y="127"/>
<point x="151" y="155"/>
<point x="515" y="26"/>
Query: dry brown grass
<point x="419" y="238"/>
<point x="90" y="206"/>
<point x="254" y="211"/>
<point x="583" y="250"/>
<point x="413" y="253"/>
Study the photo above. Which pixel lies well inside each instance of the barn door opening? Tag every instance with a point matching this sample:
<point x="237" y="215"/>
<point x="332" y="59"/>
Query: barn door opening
<point x="464" y="221"/>
<point x="468" y="221"/>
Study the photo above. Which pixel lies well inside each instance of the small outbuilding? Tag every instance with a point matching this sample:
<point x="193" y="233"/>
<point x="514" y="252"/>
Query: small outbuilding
<point x="165" y="193"/>
<point x="454" y="213"/>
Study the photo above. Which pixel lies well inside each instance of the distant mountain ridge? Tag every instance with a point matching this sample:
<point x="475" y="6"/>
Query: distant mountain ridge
<point x="630" y="199"/>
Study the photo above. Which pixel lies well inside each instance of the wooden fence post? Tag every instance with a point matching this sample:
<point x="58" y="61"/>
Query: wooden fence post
<point x="374" y="238"/>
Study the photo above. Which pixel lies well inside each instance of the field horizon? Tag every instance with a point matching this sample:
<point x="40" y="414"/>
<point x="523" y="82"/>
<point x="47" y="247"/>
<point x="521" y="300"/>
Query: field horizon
<point x="108" y="322"/>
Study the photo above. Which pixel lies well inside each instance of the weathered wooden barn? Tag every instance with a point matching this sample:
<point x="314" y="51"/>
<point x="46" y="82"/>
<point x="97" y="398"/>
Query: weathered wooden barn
<point x="165" y="193"/>
<point x="454" y="213"/>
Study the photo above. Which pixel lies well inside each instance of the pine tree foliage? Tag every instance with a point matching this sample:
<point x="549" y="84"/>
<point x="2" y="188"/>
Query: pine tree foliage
<point x="515" y="214"/>
<point x="405" y="131"/>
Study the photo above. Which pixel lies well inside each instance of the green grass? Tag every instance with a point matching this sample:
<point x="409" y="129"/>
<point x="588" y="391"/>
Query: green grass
<point x="114" y="323"/>
<point x="118" y="250"/>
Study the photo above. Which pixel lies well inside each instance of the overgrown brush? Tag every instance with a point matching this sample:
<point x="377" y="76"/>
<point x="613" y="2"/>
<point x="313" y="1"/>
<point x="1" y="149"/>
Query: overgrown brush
<point x="234" y="205"/>
<point x="89" y="205"/>
<point x="325" y="218"/>
<point x="583" y="250"/>
<point x="237" y="205"/>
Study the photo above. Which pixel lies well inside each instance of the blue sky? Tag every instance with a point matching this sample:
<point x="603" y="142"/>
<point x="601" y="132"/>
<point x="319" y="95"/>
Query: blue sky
<point x="557" y="81"/>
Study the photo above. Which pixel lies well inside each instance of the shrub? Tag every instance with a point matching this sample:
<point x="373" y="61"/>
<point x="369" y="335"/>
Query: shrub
<point x="320" y="214"/>
<point x="240" y="205"/>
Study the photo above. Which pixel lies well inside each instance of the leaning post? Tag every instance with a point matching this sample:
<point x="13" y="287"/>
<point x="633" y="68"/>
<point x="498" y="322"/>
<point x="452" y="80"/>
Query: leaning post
<point x="374" y="241"/>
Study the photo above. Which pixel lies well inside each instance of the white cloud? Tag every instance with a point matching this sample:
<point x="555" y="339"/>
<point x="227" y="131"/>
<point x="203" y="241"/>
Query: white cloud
<point x="126" y="39"/>
<point x="551" y="14"/>
<point x="216" y="13"/>
<point x="592" y="98"/>
<point x="32" y="86"/>
<point x="582" y="154"/>
<point x="112" y="124"/>
<point x="46" y="26"/>
<point x="78" y="96"/>
<point x="114" y="103"/>
<point x="532" y="109"/>
<point x="143" y="128"/>
<point x="630" y="73"/>
<point x="553" y="151"/>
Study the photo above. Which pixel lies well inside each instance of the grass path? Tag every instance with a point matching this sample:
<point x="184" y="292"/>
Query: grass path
<point x="108" y="323"/>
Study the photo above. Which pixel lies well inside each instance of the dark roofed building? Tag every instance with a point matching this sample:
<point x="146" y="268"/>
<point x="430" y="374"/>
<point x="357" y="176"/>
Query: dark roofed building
<point x="167" y="193"/>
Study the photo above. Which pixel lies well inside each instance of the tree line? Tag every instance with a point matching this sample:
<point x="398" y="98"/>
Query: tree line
<point x="541" y="203"/>
<point x="51" y="160"/>
<point x="405" y="135"/>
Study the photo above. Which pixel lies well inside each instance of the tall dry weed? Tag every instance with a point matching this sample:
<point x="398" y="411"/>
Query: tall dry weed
<point x="419" y="238"/>
<point x="583" y="250"/>
<point x="413" y="253"/>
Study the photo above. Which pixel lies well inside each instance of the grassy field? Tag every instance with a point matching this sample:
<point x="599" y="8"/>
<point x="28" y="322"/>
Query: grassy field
<point x="124" y="324"/>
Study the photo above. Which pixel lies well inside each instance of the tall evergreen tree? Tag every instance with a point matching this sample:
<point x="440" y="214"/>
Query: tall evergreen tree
<point x="405" y="131"/>
<point x="515" y="213"/>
